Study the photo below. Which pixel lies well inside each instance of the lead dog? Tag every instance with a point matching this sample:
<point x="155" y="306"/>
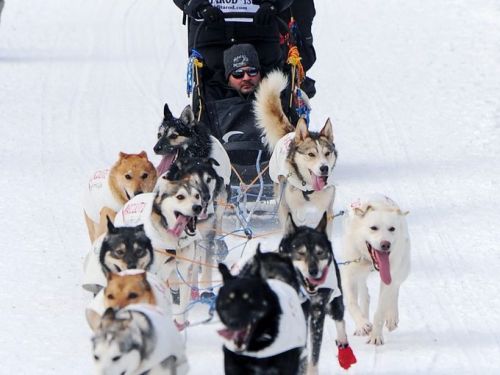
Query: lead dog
<point x="302" y="161"/>
<point x="375" y="238"/>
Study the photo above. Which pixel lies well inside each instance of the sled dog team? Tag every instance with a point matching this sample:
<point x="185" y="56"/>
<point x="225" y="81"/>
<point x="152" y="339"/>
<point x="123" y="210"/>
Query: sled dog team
<point x="145" y="223"/>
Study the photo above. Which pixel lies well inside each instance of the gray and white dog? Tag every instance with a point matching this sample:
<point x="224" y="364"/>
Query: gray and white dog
<point x="138" y="339"/>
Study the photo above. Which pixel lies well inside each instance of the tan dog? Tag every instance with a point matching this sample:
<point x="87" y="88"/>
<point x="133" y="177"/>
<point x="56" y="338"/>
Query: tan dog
<point x="302" y="161"/>
<point x="123" y="290"/>
<point x="108" y="190"/>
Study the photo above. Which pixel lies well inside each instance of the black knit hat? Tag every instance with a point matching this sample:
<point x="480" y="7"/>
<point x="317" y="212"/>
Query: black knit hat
<point x="238" y="56"/>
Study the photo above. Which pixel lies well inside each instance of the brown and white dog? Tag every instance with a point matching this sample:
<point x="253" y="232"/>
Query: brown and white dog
<point x="109" y="189"/>
<point x="302" y="161"/>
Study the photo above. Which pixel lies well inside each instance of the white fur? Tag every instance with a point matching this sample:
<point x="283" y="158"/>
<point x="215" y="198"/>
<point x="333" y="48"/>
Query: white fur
<point x="362" y="216"/>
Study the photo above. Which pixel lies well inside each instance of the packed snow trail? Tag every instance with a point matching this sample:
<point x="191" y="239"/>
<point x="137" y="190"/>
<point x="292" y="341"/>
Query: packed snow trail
<point x="413" y="92"/>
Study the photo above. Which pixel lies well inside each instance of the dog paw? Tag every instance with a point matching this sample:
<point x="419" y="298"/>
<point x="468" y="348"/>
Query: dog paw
<point x="364" y="330"/>
<point x="376" y="340"/>
<point x="391" y="324"/>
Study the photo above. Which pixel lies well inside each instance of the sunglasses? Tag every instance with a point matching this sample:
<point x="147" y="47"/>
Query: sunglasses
<point x="240" y="73"/>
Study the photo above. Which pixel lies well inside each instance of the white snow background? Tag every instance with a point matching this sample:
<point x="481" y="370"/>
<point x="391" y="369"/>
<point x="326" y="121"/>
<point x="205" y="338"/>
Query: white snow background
<point x="412" y="88"/>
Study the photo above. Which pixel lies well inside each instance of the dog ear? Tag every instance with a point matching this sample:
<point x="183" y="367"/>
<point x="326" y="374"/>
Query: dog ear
<point x="321" y="228"/>
<point x="187" y="116"/>
<point x="107" y="318"/>
<point x="213" y="162"/>
<point x="301" y="131"/>
<point x="110" y="276"/>
<point x="327" y="130"/>
<point x="143" y="155"/>
<point x="122" y="155"/>
<point x="290" y="227"/>
<point x="111" y="227"/>
<point x="226" y="275"/>
<point x="166" y="112"/>
<point x="362" y="211"/>
<point x="173" y="173"/>
<point x="403" y="213"/>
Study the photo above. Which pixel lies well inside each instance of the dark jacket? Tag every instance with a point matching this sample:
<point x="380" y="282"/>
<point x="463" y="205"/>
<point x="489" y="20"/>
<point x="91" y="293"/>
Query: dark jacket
<point x="211" y="40"/>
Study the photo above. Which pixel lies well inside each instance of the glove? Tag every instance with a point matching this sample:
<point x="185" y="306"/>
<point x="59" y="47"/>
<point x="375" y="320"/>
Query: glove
<point x="346" y="356"/>
<point x="212" y="15"/>
<point x="265" y="15"/>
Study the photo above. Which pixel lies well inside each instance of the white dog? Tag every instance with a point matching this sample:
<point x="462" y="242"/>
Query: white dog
<point x="375" y="238"/>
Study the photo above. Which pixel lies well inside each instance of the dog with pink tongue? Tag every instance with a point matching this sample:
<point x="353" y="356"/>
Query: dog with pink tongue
<point x="375" y="239"/>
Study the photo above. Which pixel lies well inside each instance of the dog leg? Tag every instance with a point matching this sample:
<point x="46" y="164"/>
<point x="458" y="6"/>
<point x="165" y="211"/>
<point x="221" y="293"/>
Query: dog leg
<point x="385" y="304"/>
<point x="354" y="276"/>
<point x="316" y="325"/>
<point x="392" y="312"/>
<point x="184" y="268"/>
<point x="91" y="228"/>
<point x="364" y="298"/>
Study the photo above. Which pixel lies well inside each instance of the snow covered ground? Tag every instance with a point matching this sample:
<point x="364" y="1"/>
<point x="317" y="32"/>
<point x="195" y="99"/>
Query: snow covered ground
<point x="413" y="89"/>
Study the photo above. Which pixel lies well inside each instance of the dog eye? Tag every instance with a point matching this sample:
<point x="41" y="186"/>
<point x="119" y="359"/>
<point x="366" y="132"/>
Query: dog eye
<point x="128" y="177"/>
<point x="392" y="229"/>
<point x="132" y="295"/>
<point x="159" y="135"/>
<point x="301" y="252"/>
<point x="209" y="179"/>
<point x="311" y="154"/>
<point x="327" y="153"/>
<point x="173" y="136"/>
<point x="140" y="252"/>
<point x="197" y="196"/>
<point x="117" y="358"/>
<point x="96" y="357"/>
<point x="180" y="197"/>
<point x="144" y="176"/>
<point x="374" y="228"/>
<point x="119" y="252"/>
<point x="110" y="296"/>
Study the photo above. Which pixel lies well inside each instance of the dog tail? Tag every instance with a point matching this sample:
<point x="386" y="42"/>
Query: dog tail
<point x="268" y="110"/>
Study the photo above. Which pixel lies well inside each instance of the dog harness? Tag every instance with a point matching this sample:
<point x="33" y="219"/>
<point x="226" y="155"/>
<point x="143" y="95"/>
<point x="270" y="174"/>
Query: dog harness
<point x="292" y="324"/>
<point x="279" y="166"/>
<point x="168" y="340"/>
<point x="158" y="288"/>
<point x="99" y="195"/>
<point x="138" y="211"/>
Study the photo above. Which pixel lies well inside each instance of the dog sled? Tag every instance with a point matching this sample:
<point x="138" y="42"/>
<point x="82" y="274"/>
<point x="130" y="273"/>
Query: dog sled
<point x="231" y="120"/>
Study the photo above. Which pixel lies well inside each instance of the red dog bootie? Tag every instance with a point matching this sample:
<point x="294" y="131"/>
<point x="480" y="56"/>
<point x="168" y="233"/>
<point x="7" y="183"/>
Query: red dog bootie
<point x="346" y="356"/>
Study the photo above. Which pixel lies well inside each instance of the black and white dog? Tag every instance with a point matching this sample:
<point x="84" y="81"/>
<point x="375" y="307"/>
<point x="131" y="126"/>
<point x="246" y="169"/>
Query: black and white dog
<point x="311" y="253"/>
<point x="119" y="249"/>
<point x="184" y="138"/>
<point x="258" y="315"/>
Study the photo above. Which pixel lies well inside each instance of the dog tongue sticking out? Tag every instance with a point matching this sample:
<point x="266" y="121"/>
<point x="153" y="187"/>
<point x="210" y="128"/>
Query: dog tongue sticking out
<point x="382" y="258"/>
<point x="165" y="163"/>
<point x="179" y="225"/>
<point x="319" y="182"/>
<point x="237" y="336"/>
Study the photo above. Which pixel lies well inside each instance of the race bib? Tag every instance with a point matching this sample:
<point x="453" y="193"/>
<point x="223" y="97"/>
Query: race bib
<point x="236" y="6"/>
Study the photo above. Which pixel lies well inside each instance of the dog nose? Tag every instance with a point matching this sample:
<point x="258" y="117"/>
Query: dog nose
<point x="385" y="245"/>
<point x="324" y="169"/>
<point x="158" y="147"/>
<point x="196" y="209"/>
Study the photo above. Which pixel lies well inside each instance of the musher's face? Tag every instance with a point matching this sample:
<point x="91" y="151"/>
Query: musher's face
<point x="245" y="80"/>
